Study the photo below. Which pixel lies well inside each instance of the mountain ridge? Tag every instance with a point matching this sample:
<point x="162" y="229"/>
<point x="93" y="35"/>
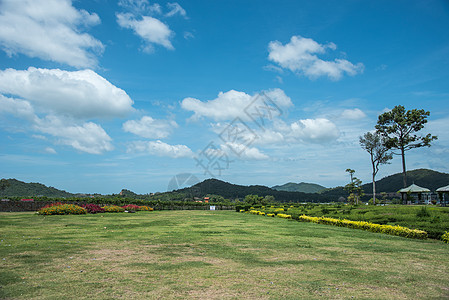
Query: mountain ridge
<point x="303" y="187"/>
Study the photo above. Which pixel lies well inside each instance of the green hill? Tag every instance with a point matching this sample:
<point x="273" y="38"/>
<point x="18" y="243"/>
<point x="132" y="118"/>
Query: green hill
<point x="423" y="177"/>
<point x="391" y="184"/>
<point x="302" y="187"/>
<point x="232" y="191"/>
<point x="16" y="188"/>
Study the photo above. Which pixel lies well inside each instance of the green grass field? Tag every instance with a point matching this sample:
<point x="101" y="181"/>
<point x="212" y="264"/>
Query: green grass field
<point x="210" y="255"/>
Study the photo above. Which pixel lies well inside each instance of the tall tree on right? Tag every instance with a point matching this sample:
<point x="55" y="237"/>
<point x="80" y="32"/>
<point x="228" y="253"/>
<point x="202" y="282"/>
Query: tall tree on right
<point x="399" y="128"/>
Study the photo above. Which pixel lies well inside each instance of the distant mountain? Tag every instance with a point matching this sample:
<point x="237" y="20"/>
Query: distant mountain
<point x="16" y="188"/>
<point x="232" y="191"/>
<point x="299" y="187"/>
<point x="391" y="184"/>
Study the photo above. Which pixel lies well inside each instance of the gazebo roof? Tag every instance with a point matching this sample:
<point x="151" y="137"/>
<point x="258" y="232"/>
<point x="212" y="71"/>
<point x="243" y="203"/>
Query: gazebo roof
<point x="414" y="189"/>
<point x="443" y="189"/>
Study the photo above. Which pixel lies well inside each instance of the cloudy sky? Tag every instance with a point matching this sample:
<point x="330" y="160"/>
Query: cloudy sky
<point x="96" y="96"/>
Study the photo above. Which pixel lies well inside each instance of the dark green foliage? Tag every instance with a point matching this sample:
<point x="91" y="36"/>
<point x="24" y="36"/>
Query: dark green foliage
<point x="423" y="213"/>
<point x="399" y="128"/>
<point x="22" y="189"/>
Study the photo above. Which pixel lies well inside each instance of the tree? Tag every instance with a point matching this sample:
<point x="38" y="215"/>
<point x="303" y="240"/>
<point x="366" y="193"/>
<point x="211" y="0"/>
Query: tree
<point x="351" y="172"/>
<point x="268" y="199"/>
<point x="354" y="188"/>
<point x="399" y="127"/>
<point x="4" y="183"/>
<point x="254" y="200"/>
<point x="374" y="144"/>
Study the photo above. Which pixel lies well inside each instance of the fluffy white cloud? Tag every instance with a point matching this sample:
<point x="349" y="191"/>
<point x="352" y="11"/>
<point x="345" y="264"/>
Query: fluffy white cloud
<point x="80" y="94"/>
<point x="88" y="137"/>
<point x="318" y="130"/>
<point x="150" y="29"/>
<point x="234" y="104"/>
<point x="50" y="30"/>
<point x="159" y="148"/>
<point x="352" y="114"/>
<point x="244" y="152"/>
<point x="227" y="152"/>
<point x="299" y="55"/>
<point x="148" y="127"/>
<point x="57" y="103"/>
<point x="17" y="107"/>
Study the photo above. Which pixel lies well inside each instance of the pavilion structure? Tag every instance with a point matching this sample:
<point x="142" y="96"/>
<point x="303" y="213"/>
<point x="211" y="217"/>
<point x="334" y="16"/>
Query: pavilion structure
<point x="443" y="195"/>
<point x="414" y="194"/>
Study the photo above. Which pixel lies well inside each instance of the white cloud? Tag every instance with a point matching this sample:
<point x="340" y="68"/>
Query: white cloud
<point x="318" y="130"/>
<point x="140" y="6"/>
<point x="50" y="30"/>
<point x="299" y="56"/>
<point x="150" y="29"/>
<point x="232" y="104"/>
<point x="80" y="94"/>
<point x="57" y="103"/>
<point x="148" y="127"/>
<point x="352" y="114"/>
<point x="188" y="35"/>
<point x="175" y="9"/>
<point x="227" y="152"/>
<point x="16" y="107"/>
<point x="88" y="137"/>
<point x="246" y="153"/>
<point x="159" y="148"/>
<point x="50" y="150"/>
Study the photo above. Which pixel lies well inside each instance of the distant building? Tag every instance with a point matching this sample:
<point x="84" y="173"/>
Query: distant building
<point x="415" y="195"/>
<point x="443" y="195"/>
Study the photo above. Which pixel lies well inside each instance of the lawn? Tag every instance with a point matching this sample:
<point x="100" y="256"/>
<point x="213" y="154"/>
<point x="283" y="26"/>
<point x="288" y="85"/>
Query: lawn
<point x="207" y="255"/>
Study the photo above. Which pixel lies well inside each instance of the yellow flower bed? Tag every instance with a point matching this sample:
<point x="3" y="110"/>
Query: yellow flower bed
<point x="285" y="216"/>
<point x="387" y="229"/>
<point x="146" y="208"/>
<point x="113" y="209"/>
<point x="64" y="209"/>
<point x="271" y="215"/>
<point x="445" y="237"/>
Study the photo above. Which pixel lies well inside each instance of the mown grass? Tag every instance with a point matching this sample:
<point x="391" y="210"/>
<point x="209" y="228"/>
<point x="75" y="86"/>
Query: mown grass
<point x="210" y="255"/>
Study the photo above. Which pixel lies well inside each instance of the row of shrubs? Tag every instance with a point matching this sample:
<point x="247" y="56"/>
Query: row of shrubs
<point x="368" y="226"/>
<point x="72" y="209"/>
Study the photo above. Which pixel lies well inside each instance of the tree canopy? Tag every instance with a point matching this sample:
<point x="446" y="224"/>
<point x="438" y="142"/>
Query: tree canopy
<point x="399" y="128"/>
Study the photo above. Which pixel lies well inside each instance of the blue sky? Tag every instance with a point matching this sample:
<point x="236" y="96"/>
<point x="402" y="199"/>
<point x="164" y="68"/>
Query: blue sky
<point x="96" y="96"/>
